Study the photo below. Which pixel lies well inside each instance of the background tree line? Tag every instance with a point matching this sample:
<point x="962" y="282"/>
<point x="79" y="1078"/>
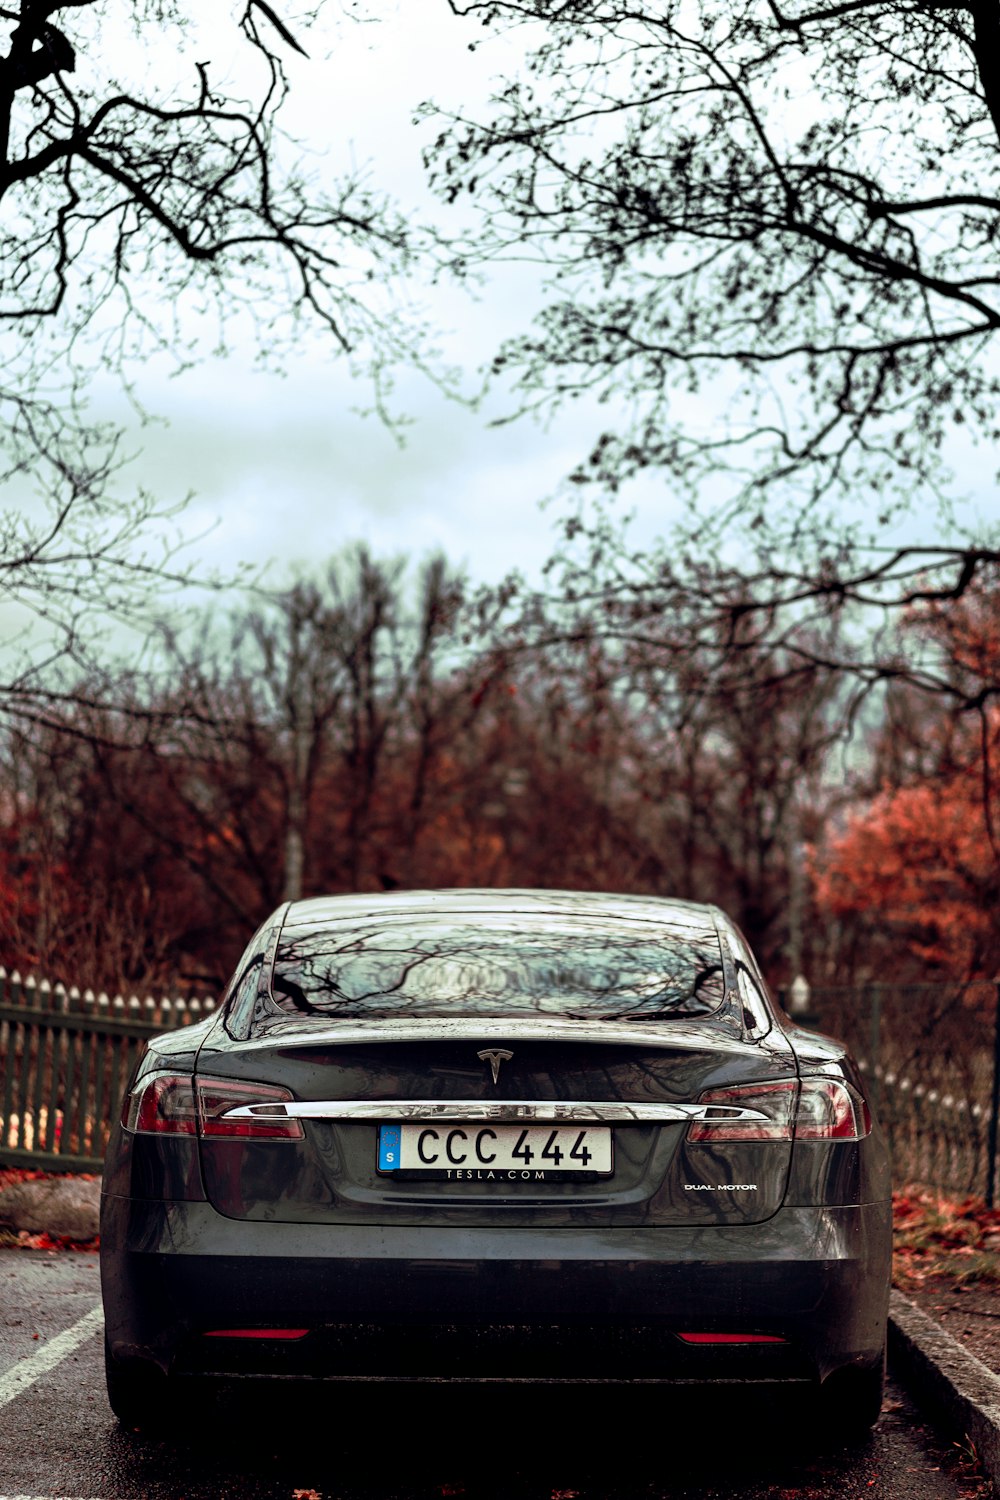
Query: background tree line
<point x="379" y="726"/>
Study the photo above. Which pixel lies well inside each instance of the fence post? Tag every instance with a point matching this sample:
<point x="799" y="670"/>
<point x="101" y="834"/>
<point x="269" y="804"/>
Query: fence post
<point x="991" y="1165"/>
<point x="800" y="1002"/>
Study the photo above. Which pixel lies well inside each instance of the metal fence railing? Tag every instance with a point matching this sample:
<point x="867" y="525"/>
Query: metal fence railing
<point x="931" y="1054"/>
<point x="65" y="1058"/>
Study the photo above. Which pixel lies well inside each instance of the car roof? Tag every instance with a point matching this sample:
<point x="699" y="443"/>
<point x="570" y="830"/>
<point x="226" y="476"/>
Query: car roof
<point x="320" y="910"/>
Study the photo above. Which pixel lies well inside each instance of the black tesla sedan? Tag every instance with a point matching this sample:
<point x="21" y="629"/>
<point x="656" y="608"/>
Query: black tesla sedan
<point x="498" y="1136"/>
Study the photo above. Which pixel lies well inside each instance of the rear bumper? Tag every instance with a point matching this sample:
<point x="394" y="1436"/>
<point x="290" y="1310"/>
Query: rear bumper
<point x="404" y="1302"/>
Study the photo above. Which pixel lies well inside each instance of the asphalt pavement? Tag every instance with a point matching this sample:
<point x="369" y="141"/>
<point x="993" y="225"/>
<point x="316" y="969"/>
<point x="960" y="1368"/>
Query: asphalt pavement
<point x="58" y="1439"/>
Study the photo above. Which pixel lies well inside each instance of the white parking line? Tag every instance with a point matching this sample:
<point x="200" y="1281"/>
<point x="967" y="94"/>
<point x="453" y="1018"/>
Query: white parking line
<point x="28" y="1370"/>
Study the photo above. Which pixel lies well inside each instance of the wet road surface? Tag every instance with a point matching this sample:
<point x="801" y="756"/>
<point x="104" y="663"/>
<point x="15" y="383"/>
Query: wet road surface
<point x="58" y="1438"/>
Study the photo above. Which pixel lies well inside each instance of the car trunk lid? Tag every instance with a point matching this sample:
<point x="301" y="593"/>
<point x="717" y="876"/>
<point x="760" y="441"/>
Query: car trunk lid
<point x="501" y="1121"/>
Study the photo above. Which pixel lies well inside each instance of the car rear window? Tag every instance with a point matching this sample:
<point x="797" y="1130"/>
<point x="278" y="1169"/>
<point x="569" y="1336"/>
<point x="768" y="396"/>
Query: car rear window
<point x="538" y="964"/>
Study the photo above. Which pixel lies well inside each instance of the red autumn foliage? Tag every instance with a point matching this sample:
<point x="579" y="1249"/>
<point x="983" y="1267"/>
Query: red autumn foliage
<point x="918" y="860"/>
<point x="938" y="1236"/>
<point x="916" y="867"/>
<point x="42" y="1241"/>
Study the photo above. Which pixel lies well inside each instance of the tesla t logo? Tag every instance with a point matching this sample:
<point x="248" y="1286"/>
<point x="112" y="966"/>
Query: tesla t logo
<point x="495" y="1056"/>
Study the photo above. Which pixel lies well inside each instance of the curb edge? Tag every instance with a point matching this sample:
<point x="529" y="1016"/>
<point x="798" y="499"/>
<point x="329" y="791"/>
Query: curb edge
<point x="956" y="1387"/>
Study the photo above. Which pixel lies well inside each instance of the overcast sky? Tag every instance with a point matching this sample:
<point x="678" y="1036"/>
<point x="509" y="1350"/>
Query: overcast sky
<point x="284" y="469"/>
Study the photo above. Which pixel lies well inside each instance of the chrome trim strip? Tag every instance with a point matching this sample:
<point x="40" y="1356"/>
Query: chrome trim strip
<point x="609" y="1112"/>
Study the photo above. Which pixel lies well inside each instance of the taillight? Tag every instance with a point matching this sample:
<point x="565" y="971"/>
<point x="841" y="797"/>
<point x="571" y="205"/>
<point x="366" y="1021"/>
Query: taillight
<point x="812" y="1109"/>
<point x="216" y="1096"/>
<point x="776" y="1101"/>
<point x="831" y="1111"/>
<point x="169" y="1104"/>
<point x="161" y="1104"/>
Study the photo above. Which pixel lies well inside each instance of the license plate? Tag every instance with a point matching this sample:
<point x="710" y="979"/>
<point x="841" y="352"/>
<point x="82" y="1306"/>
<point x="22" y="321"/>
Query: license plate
<point x="529" y="1153"/>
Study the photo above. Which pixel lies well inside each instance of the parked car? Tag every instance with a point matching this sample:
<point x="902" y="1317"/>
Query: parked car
<point x="496" y="1135"/>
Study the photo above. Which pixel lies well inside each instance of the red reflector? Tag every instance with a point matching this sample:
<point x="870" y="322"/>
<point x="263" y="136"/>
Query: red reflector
<point x="730" y="1338"/>
<point x="255" y="1333"/>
